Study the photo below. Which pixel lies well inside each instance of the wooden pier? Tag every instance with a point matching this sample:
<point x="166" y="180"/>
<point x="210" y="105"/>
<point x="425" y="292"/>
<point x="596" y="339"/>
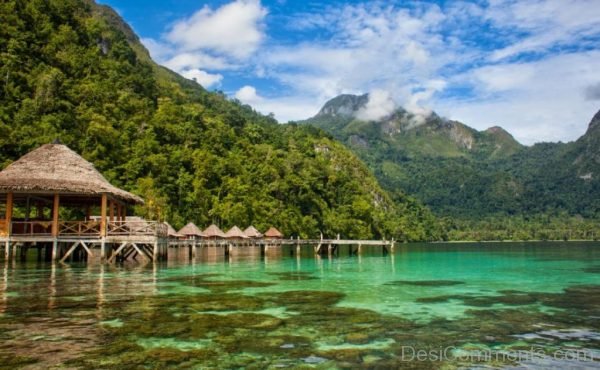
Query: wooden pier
<point x="318" y="246"/>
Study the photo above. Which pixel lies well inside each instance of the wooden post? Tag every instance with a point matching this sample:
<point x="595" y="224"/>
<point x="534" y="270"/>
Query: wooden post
<point x="103" y="250"/>
<point x="9" y="212"/>
<point x="111" y="211"/>
<point x="55" y="208"/>
<point x="54" y="250"/>
<point x="103" y="215"/>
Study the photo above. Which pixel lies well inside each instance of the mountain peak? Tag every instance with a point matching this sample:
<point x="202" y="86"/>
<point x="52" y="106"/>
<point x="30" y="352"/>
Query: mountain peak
<point x="345" y="105"/>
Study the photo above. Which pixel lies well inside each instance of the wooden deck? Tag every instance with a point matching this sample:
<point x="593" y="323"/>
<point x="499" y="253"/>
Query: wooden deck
<point x="147" y="240"/>
<point x="83" y="239"/>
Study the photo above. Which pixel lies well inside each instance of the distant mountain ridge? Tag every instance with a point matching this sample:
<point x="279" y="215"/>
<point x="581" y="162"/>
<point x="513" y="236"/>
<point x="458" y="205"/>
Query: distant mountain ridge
<point x="459" y="171"/>
<point x="406" y="130"/>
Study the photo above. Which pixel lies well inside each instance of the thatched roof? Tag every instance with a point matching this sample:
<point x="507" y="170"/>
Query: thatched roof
<point x="190" y="230"/>
<point x="171" y="231"/>
<point x="273" y="233"/>
<point x="235" y="233"/>
<point x="251" y="232"/>
<point x="54" y="168"/>
<point x="213" y="232"/>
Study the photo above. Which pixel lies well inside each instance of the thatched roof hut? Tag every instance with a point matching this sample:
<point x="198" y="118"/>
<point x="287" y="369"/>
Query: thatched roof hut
<point x="273" y="233"/>
<point x="251" y="232"/>
<point x="191" y="230"/>
<point x="235" y="233"/>
<point x="213" y="231"/>
<point x="54" y="168"/>
<point x="171" y="232"/>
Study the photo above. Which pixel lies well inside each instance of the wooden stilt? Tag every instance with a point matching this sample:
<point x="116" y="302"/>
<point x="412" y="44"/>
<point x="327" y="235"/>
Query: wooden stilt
<point x="66" y="255"/>
<point x="115" y="253"/>
<point x="103" y="250"/>
<point x="139" y="251"/>
<point x="54" y="250"/>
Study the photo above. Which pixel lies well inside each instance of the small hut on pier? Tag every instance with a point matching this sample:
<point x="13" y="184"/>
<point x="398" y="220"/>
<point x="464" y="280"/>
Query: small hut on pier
<point x="191" y="232"/>
<point x="53" y="177"/>
<point x="235" y="233"/>
<point x="273" y="233"/>
<point x="213" y="232"/>
<point x="251" y="232"/>
<point x="49" y="196"/>
<point x="171" y="232"/>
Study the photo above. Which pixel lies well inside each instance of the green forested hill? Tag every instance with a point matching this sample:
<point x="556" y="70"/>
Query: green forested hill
<point x="463" y="173"/>
<point x="73" y="70"/>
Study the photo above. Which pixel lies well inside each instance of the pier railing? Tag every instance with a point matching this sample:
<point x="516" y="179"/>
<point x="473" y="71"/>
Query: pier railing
<point x="137" y="228"/>
<point x="83" y="229"/>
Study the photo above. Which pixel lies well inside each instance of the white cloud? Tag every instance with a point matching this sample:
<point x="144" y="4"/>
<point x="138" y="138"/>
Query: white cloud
<point x="195" y="59"/>
<point x="284" y="108"/>
<point x="547" y="22"/>
<point x="234" y="29"/>
<point x="546" y="105"/>
<point x="203" y="78"/>
<point x="380" y="105"/>
<point x="248" y="95"/>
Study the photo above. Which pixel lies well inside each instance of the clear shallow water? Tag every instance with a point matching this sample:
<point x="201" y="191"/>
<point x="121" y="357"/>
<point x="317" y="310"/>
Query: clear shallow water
<point x="425" y="306"/>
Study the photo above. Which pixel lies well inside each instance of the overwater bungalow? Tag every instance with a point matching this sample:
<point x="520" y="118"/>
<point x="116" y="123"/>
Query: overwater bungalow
<point x="235" y="233"/>
<point x="49" y="196"/>
<point x="213" y="232"/>
<point x="252" y="232"/>
<point x="171" y="232"/>
<point x="273" y="233"/>
<point x="191" y="232"/>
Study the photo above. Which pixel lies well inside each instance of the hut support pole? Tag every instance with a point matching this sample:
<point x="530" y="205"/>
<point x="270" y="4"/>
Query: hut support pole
<point x="6" y="250"/>
<point x="155" y="250"/>
<point x="103" y="215"/>
<point x="55" y="208"/>
<point x="111" y="211"/>
<point x="9" y="212"/>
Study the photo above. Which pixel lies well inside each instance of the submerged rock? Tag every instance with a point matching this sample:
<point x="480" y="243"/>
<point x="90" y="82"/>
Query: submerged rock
<point x="429" y="283"/>
<point x="314" y="359"/>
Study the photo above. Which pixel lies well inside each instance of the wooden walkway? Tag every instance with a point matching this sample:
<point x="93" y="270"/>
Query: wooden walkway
<point x="319" y="246"/>
<point x="147" y="241"/>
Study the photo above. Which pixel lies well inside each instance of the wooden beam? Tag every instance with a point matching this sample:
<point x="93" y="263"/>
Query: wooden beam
<point x="103" y="215"/>
<point x="55" y="208"/>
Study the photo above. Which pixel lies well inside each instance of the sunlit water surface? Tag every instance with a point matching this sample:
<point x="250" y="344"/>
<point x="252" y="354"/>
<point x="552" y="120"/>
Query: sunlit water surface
<point x="424" y="306"/>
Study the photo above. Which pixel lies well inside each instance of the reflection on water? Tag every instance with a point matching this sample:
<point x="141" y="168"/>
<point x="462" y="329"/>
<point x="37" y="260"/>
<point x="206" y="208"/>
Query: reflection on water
<point x="425" y="306"/>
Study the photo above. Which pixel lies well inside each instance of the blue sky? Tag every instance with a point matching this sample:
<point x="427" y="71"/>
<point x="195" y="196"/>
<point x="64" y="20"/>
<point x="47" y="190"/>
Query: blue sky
<point x="528" y="66"/>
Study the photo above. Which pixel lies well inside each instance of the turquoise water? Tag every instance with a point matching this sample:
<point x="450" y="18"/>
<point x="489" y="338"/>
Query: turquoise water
<point x="424" y="306"/>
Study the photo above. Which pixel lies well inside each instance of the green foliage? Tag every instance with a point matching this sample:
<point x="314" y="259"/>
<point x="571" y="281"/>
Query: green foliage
<point x="73" y="70"/>
<point x="466" y="174"/>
